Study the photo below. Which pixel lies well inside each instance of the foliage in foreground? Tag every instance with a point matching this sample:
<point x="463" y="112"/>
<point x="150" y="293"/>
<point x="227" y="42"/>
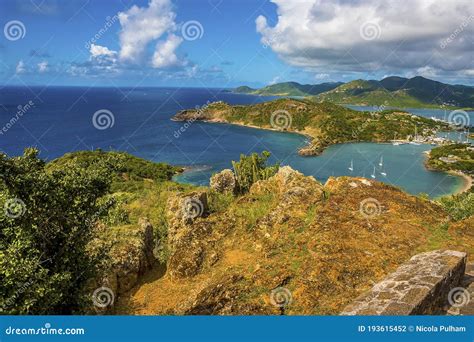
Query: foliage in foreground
<point x="459" y="206"/>
<point x="47" y="222"/>
<point x="251" y="169"/>
<point x="126" y="166"/>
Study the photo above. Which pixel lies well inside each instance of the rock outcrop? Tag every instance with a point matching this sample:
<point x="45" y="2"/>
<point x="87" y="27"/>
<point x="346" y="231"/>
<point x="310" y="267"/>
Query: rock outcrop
<point x="292" y="246"/>
<point x="132" y="259"/>
<point x="223" y="182"/>
<point x="185" y="233"/>
<point x="419" y="287"/>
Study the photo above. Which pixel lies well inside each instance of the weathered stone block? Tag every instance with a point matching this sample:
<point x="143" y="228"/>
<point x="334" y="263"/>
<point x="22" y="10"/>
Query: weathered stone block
<point x="420" y="286"/>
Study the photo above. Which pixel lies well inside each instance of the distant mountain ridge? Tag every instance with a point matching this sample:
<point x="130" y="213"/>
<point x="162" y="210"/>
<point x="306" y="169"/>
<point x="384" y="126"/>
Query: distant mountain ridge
<point x="390" y="91"/>
<point x="290" y="89"/>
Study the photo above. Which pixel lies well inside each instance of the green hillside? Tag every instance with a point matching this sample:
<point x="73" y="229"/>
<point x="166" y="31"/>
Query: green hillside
<point x="289" y="89"/>
<point x="401" y="92"/>
<point x="325" y="123"/>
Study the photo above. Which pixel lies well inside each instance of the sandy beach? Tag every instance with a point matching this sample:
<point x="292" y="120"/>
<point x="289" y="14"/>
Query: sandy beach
<point x="467" y="182"/>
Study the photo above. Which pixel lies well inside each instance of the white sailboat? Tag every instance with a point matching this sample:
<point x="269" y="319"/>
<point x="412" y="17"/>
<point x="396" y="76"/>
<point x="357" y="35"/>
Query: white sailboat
<point x="373" y="173"/>
<point x="381" y="161"/>
<point x="415" y="140"/>
<point x="351" y="168"/>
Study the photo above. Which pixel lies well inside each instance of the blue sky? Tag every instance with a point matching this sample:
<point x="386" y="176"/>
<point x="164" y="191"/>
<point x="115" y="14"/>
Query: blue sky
<point x="252" y="42"/>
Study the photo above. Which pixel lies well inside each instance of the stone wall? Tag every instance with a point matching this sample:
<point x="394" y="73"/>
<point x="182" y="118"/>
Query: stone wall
<point x="418" y="287"/>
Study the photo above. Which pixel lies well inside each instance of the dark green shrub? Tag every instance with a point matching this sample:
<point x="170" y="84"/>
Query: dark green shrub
<point x="47" y="221"/>
<point x="251" y="169"/>
<point x="459" y="206"/>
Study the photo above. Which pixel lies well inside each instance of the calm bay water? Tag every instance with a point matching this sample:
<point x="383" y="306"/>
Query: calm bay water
<point x="61" y="121"/>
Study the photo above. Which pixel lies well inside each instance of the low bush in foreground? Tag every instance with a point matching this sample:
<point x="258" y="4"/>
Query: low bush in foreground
<point x="47" y="222"/>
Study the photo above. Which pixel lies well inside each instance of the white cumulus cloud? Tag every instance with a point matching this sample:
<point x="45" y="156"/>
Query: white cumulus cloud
<point x="164" y="55"/>
<point x="97" y="51"/>
<point x="143" y="25"/>
<point x="43" y="66"/>
<point x="361" y="35"/>
<point x="20" y="67"/>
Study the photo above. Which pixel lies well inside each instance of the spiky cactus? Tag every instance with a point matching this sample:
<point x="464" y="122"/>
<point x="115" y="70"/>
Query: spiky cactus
<point x="251" y="169"/>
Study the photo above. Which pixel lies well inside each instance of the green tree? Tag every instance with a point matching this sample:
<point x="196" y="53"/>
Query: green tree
<point x="47" y="221"/>
<point x="459" y="206"/>
<point x="252" y="168"/>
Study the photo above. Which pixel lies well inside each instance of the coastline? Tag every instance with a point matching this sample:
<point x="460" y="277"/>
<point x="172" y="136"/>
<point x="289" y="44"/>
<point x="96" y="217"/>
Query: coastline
<point x="308" y="149"/>
<point x="467" y="180"/>
<point x="308" y="137"/>
<point x="303" y="151"/>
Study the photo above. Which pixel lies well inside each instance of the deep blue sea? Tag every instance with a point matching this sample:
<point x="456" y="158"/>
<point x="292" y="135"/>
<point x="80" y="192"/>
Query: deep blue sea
<point x="61" y="119"/>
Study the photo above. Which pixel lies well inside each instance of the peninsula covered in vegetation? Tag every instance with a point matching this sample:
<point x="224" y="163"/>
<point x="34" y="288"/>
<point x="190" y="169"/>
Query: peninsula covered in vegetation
<point x="323" y="123"/>
<point x="453" y="157"/>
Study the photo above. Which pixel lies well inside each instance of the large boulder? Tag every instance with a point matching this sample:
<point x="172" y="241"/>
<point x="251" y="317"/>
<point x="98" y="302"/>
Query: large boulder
<point x="185" y="233"/>
<point x="223" y="182"/>
<point x="186" y="208"/>
<point x="131" y="257"/>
